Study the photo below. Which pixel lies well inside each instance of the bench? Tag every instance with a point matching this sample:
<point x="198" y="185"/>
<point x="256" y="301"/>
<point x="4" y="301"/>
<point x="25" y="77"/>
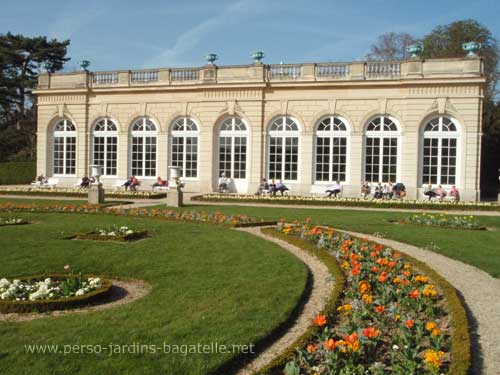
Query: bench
<point x="118" y="185"/>
<point x="51" y="183"/>
<point x="161" y="188"/>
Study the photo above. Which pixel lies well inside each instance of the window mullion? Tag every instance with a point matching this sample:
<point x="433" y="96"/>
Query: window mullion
<point x="330" y="164"/>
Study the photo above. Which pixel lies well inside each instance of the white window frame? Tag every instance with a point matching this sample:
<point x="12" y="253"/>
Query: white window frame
<point x="64" y="134"/>
<point x="185" y="133"/>
<point x="106" y="134"/>
<point x="440" y="135"/>
<point x="332" y="134"/>
<point x="232" y="134"/>
<point x="283" y="134"/>
<point x="382" y="134"/>
<point x="143" y="134"/>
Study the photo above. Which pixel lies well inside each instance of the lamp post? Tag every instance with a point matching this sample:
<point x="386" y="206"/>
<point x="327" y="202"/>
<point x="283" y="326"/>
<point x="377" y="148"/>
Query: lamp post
<point x="175" y="194"/>
<point x="96" y="191"/>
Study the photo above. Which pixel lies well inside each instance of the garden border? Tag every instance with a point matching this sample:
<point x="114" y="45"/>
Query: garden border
<point x="461" y="344"/>
<point x="40" y="306"/>
<point x="299" y="200"/>
<point x="80" y="194"/>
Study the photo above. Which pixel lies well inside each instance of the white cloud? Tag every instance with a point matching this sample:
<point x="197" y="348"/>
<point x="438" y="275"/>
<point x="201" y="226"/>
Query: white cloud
<point x="186" y="41"/>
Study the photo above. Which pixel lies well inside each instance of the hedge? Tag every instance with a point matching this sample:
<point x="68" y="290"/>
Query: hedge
<point x="17" y="172"/>
<point x="98" y="295"/>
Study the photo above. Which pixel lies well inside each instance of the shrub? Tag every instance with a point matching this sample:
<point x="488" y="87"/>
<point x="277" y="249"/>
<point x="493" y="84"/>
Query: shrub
<point x="17" y="172"/>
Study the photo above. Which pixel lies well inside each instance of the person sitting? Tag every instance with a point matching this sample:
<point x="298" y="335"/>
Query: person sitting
<point x="365" y="189"/>
<point x="223" y="183"/>
<point x="440" y="192"/>
<point x="135" y="183"/>
<point x="128" y="183"/>
<point x="272" y="186"/>
<point x="387" y="191"/>
<point x="429" y="191"/>
<point x="455" y="193"/>
<point x="280" y="186"/>
<point x="42" y="179"/>
<point x="399" y="190"/>
<point x="85" y="184"/>
<point x="160" y="182"/>
<point x="263" y="186"/>
<point x="377" y="194"/>
<point x="334" y="189"/>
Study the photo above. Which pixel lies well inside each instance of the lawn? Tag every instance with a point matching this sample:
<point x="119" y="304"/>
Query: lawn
<point x="210" y="284"/>
<point x="478" y="248"/>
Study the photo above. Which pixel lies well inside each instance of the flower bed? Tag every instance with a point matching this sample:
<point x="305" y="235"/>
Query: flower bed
<point x="12" y="221"/>
<point x="391" y="318"/>
<point x="114" y="233"/>
<point x="71" y="192"/>
<point x="185" y="215"/>
<point x="348" y="202"/>
<point x="51" y="292"/>
<point x="446" y="221"/>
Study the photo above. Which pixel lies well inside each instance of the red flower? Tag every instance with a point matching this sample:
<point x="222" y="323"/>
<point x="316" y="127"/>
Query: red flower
<point x="375" y="269"/>
<point x="410" y="323"/>
<point x="319" y="320"/>
<point x="371" y="332"/>
<point x="330" y="344"/>
<point x="414" y="294"/>
<point x="379" y="309"/>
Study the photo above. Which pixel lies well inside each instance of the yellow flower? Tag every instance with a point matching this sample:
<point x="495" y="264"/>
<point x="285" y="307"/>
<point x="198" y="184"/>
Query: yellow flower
<point x="346" y="309"/>
<point x="433" y="358"/>
<point x="421" y="279"/>
<point x="436" y="332"/>
<point x="429" y="326"/>
<point x="430" y="291"/>
<point x="367" y="299"/>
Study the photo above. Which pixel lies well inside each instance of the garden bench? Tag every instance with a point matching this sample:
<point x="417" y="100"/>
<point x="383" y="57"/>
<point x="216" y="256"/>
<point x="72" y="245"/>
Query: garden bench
<point x="51" y="183"/>
<point x="161" y="188"/>
<point x="118" y="185"/>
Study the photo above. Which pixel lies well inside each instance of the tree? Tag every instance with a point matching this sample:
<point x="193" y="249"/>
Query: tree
<point x="391" y="47"/>
<point x="447" y="40"/>
<point x="21" y="59"/>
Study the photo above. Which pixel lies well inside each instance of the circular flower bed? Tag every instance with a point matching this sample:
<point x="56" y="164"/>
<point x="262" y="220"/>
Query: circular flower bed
<point x="12" y="221"/>
<point x="51" y="292"/>
<point x="113" y="233"/>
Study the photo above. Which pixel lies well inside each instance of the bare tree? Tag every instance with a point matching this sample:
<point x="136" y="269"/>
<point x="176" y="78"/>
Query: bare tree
<point x="391" y="46"/>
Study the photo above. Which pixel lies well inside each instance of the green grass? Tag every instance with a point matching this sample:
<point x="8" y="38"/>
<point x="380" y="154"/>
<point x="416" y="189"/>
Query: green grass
<point x="478" y="248"/>
<point x="210" y="284"/>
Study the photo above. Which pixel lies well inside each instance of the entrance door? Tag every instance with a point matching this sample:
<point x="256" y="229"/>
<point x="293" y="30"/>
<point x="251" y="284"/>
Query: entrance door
<point x="233" y="139"/>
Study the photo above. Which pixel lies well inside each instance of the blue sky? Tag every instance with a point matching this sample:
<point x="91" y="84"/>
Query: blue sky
<point x="130" y="34"/>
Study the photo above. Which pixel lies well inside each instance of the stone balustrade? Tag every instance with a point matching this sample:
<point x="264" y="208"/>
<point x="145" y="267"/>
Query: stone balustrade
<point x="261" y="73"/>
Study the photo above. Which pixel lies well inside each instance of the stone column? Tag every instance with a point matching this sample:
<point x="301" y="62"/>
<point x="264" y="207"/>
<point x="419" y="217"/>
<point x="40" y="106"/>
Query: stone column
<point x="306" y="153"/>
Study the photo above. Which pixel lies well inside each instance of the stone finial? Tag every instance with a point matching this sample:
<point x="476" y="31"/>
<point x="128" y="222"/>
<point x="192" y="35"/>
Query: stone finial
<point x="84" y="64"/>
<point x="415" y="50"/>
<point x="257" y="56"/>
<point x="211" y="58"/>
<point x="471" y="48"/>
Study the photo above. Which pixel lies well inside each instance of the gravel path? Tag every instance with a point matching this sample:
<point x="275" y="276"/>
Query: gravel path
<point x="481" y="293"/>
<point x="322" y="286"/>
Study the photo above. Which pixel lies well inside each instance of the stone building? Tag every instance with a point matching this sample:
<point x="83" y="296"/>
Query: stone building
<point x="416" y="122"/>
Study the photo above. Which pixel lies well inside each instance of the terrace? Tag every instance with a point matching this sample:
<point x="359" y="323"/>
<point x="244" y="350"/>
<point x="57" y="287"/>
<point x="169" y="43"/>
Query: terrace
<point x="414" y="69"/>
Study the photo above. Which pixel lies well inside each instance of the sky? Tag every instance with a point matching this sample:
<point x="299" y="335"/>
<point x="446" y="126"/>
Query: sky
<point x="133" y="34"/>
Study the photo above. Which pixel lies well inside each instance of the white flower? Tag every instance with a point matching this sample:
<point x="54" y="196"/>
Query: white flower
<point x="4" y="283"/>
<point x="395" y="347"/>
<point x="80" y="292"/>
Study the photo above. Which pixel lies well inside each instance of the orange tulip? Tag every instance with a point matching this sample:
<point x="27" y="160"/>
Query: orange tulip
<point x="371" y="332"/>
<point x="410" y="323"/>
<point x="379" y="309"/>
<point x="414" y="294"/>
<point x="330" y="344"/>
<point x="319" y="320"/>
<point x="311" y="348"/>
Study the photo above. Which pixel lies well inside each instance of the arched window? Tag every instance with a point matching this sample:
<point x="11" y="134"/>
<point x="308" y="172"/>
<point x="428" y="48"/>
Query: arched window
<point x="144" y="138"/>
<point x="440" y="150"/>
<point x="233" y="148"/>
<point x="64" y="148"/>
<point x="381" y="150"/>
<point x="283" y="162"/>
<point x="331" y="149"/>
<point x="105" y="141"/>
<point x="184" y="147"/>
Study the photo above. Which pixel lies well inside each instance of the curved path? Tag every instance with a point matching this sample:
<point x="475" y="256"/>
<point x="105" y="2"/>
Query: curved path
<point x="320" y="292"/>
<point x="481" y="293"/>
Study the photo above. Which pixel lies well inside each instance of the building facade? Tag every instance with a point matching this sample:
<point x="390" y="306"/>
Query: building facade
<point x="415" y="122"/>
